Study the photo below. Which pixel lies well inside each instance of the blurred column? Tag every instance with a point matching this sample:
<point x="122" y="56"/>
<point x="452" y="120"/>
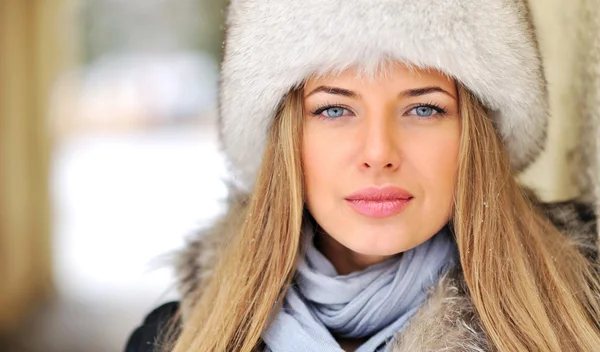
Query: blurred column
<point x="557" y="22"/>
<point x="590" y="96"/>
<point x="34" y="47"/>
<point x="569" y="37"/>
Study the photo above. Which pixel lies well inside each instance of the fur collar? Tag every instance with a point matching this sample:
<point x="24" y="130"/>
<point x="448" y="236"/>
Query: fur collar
<point x="446" y="322"/>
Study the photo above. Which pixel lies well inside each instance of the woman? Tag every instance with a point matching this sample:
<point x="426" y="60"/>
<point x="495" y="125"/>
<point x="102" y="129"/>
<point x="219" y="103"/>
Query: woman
<point x="374" y="207"/>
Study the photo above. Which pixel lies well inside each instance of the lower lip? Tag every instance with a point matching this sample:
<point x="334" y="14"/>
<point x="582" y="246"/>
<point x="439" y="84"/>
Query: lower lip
<point x="379" y="209"/>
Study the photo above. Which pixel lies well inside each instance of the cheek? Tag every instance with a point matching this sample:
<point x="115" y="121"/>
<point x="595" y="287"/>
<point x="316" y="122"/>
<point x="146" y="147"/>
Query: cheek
<point x="321" y="159"/>
<point x="434" y="157"/>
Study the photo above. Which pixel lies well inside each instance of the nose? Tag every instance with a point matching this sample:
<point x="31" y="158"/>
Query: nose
<point x="381" y="146"/>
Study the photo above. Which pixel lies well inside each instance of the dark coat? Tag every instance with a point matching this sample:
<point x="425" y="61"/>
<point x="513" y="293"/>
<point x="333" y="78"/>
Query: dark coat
<point x="143" y="338"/>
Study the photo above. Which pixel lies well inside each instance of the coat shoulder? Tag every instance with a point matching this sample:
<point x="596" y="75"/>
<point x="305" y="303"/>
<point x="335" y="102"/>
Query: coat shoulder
<point x="162" y="321"/>
<point x="448" y="320"/>
<point x="578" y="221"/>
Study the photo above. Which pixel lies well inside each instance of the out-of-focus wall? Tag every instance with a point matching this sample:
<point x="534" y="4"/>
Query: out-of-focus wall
<point x="34" y="48"/>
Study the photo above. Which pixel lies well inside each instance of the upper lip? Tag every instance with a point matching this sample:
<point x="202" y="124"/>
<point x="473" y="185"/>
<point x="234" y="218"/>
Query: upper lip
<point x="380" y="194"/>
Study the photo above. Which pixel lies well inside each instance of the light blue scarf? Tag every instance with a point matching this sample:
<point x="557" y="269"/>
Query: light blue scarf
<point x="376" y="302"/>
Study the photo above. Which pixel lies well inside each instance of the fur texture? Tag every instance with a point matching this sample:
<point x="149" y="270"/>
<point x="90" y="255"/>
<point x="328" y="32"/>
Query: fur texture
<point x="272" y="46"/>
<point x="447" y="321"/>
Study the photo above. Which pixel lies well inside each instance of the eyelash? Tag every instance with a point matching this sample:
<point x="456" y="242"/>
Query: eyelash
<point x="440" y="111"/>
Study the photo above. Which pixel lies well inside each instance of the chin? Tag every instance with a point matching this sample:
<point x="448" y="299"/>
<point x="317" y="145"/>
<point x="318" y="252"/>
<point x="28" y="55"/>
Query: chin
<point x="380" y="241"/>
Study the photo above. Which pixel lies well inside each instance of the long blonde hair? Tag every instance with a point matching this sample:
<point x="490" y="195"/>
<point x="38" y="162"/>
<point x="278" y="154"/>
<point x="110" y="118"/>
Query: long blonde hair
<point x="531" y="287"/>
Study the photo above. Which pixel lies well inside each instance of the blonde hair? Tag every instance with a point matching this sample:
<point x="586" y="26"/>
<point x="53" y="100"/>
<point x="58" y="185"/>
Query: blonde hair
<point x="531" y="287"/>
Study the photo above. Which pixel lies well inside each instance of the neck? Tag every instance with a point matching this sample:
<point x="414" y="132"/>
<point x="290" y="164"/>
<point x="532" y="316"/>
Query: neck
<point x="344" y="259"/>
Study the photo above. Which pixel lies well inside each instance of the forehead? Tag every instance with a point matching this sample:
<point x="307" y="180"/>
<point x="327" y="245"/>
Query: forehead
<point x="395" y="73"/>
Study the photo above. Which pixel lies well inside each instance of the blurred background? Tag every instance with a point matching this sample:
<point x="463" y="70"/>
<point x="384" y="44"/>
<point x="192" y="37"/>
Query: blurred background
<point x="109" y="160"/>
<point x="109" y="155"/>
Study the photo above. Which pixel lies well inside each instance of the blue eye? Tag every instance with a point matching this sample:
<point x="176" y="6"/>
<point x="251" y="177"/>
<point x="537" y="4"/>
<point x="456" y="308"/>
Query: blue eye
<point x="426" y="111"/>
<point x="334" y="112"/>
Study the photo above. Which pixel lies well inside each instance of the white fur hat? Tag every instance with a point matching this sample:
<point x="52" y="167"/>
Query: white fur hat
<point x="273" y="45"/>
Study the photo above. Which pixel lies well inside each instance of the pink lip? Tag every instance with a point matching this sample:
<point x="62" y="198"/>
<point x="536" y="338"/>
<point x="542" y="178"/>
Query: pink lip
<point x="379" y="202"/>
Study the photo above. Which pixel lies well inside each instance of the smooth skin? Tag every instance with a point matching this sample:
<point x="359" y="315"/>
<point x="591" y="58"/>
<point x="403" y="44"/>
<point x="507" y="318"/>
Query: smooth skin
<point x="400" y="129"/>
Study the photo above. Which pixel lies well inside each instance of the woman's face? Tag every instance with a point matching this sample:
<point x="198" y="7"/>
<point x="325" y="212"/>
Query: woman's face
<point x="380" y="157"/>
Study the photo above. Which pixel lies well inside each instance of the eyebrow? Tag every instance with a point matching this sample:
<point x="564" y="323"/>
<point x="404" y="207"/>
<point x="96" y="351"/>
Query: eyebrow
<point x="335" y="91"/>
<point x="409" y="93"/>
<point x="423" y="91"/>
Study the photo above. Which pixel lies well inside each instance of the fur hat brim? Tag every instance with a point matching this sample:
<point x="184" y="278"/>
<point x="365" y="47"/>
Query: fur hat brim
<point x="273" y="45"/>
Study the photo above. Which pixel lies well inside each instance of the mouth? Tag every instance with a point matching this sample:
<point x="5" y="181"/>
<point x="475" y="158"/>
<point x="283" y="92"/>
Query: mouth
<point x="379" y="202"/>
<point x="379" y="209"/>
